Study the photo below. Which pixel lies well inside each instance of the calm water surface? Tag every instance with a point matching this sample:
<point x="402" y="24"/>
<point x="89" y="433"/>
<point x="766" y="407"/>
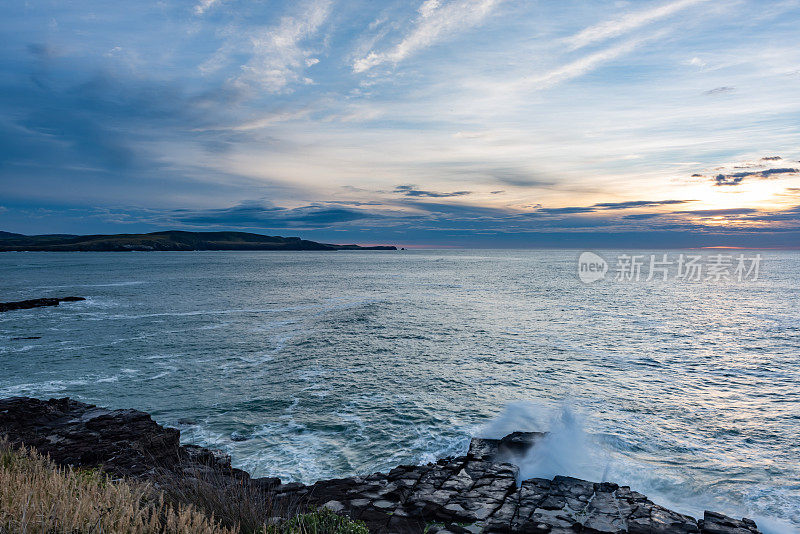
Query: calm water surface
<point x="309" y="365"/>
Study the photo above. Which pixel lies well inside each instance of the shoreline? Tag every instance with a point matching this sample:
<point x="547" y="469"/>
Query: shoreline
<point x="476" y="492"/>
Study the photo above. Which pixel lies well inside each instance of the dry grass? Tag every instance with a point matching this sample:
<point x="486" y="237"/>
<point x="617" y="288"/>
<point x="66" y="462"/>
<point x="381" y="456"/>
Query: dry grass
<point x="39" y="497"/>
<point x="232" y="502"/>
<point x="246" y="508"/>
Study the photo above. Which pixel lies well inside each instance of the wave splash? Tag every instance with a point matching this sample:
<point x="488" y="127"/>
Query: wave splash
<point x="569" y="449"/>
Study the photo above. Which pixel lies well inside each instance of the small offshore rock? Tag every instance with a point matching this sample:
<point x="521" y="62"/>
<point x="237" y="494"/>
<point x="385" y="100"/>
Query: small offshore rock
<point x="36" y="303"/>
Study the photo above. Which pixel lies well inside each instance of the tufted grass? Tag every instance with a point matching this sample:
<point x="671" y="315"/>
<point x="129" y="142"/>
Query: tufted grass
<point x="37" y="496"/>
<point x="40" y="497"/>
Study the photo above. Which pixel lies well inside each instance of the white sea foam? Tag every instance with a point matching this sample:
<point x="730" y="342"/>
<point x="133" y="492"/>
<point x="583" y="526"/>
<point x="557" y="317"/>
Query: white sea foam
<point x="110" y="284"/>
<point x="569" y="449"/>
<point x="322" y="308"/>
<point x="50" y="386"/>
<point x="566" y="450"/>
<point x="168" y="370"/>
<point x="108" y="380"/>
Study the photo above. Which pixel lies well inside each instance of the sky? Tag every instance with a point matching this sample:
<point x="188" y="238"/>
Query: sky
<point x="436" y="123"/>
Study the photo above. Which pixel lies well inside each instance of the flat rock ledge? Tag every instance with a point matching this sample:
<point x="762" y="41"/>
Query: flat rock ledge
<point x="36" y="303"/>
<point x="478" y="492"/>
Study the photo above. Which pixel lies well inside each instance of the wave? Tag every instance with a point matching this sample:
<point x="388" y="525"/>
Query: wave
<point x="319" y="309"/>
<point x="110" y="284"/>
<point x="569" y="449"/>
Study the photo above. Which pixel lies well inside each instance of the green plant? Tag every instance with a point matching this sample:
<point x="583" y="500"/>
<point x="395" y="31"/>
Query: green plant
<point x="319" y="521"/>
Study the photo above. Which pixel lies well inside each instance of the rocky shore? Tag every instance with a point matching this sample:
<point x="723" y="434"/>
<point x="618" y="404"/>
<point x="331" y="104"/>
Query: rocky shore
<point x="477" y="492"/>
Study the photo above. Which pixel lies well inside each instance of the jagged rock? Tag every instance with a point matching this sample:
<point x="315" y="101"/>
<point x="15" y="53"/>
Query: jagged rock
<point x="478" y="492"/>
<point x="714" y="523"/>
<point x="35" y="303"/>
<point x="511" y="446"/>
<point x="124" y="442"/>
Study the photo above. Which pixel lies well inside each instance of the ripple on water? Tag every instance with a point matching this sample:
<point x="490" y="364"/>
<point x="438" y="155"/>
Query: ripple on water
<point x="307" y="366"/>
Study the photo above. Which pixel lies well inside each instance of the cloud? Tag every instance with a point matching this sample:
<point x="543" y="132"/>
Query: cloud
<point x="518" y="177"/>
<point x="268" y="119"/>
<point x="103" y="135"/>
<point x="42" y="52"/>
<point x="697" y="62"/>
<point x="602" y="32"/>
<point x="278" y="55"/>
<point x="265" y="215"/>
<point x="738" y="177"/>
<point x="566" y="210"/>
<point x="718" y="212"/>
<point x="629" y="22"/>
<point x="609" y="206"/>
<point x="720" y="90"/>
<point x="638" y="204"/>
<point x="435" y="23"/>
<point x="642" y="216"/>
<point x="586" y="64"/>
<point x="204" y="5"/>
<point x="412" y="191"/>
<point x="721" y="179"/>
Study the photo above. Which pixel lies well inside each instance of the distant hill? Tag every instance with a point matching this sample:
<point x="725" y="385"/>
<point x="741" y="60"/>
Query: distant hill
<point x="171" y="240"/>
<point x="4" y="235"/>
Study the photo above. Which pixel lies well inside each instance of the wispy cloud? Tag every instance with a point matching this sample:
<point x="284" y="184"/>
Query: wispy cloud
<point x="204" y="5"/>
<point x="269" y="119"/>
<point x="412" y="191"/>
<point x="583" y="65"/>
<point x="611" y="206"/>
<point x="627" y="23"/>
<point x="266" y="215"/>
<point x="219" y="107"/>
<point x="435" y="22"/>
<point x="720" y="90"/>
<point x="738" y="177"/>
<point x="279" y="56"/>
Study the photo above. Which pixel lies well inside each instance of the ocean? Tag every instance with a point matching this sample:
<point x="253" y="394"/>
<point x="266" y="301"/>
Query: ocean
<point x="309" y="365"/>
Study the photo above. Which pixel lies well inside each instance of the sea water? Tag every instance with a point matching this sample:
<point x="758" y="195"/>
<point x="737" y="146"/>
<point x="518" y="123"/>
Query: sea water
<point x="309" y="365"/>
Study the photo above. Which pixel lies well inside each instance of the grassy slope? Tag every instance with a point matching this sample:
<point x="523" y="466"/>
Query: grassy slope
<point x="171" y="240"/>
<point x="38" y="497"/>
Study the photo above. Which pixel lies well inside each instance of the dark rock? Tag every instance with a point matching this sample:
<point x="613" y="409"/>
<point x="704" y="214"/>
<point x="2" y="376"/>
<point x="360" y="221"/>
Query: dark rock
<point x="478" y="492"/>
<point x="239" y="436"/>
<point x="124" y="442"/>
<point x="513" y="446"/>
<point x="35" y="303"/>
<point x="714" y="523"/>
<point x="266" y="483"/>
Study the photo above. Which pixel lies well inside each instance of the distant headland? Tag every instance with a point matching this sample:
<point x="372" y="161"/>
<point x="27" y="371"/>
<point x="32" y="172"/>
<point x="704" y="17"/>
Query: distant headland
<point x="173" y="240"/>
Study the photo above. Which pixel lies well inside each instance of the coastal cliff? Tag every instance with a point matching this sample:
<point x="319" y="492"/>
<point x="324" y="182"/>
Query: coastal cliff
<point x="165" y="241"/>
<point x="477" y="492"/>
